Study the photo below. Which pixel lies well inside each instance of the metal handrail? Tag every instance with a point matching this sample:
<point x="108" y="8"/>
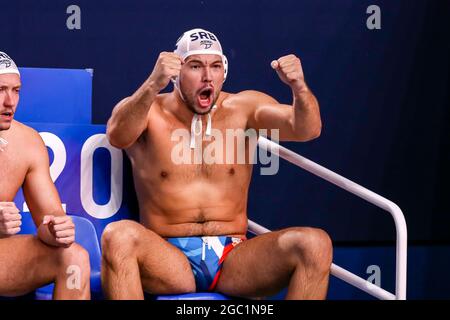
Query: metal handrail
<point x="370" y="196"/>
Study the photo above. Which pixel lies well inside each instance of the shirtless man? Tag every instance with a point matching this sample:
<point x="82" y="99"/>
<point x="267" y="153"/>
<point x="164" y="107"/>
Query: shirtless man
<point x="193" y="217"/>
<point x="28" y="262"/>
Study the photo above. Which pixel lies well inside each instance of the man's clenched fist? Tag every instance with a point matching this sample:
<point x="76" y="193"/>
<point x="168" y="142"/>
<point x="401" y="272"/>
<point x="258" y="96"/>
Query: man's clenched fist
<point x="289" y="69"/>
<point x="167" y="67"/>
<point x="61" y="228"/>
<point x="10" y="219"/>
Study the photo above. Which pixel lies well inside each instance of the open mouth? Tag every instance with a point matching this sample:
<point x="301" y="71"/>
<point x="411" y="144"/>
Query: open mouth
<point x="205" y="97"/>
<point x="6" y="115"/>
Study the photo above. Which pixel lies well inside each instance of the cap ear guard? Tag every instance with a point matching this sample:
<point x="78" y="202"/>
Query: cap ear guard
<point x="225" y="67"/>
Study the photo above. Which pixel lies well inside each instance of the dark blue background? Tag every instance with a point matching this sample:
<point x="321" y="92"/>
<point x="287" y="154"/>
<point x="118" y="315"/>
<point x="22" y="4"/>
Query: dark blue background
<point x="383" y="93"/>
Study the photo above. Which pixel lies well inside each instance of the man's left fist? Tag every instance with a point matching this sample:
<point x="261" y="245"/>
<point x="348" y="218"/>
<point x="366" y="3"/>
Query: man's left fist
<point x="289" y="69"/>
<point x="62" y="228"/>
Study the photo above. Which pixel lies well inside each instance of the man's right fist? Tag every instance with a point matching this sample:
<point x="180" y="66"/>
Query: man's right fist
<point x="167" y="67"/>
<point x="10" y="219"/>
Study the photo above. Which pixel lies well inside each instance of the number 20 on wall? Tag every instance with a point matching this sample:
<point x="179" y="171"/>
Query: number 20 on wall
<point x="93" y="143"/>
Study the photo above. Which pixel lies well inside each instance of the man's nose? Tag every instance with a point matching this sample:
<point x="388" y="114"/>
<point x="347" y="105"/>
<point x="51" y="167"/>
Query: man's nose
<point x="9" y="100"/>
<point x="207" y="74"/>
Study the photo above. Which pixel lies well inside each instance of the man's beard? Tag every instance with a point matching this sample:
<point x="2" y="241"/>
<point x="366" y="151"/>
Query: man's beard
<point x="191" y="104"/>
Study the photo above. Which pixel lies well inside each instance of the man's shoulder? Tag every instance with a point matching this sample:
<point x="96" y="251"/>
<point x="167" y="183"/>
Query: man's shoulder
<point x="26" y="136"/>
<point x="245" y="94"/>
<point x="247" y="98"/>
<point x="161" y="98"/>
<point x="24" y="131"/>
<point x="26" y="144"/>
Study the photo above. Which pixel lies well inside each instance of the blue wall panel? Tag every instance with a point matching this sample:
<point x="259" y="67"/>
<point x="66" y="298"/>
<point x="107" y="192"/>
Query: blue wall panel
<point x="55" y="95"/>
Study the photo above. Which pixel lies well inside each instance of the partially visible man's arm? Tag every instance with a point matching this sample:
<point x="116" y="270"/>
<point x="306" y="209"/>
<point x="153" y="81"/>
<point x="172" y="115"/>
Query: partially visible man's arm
<point x="129" y="116"/>
<point x="55" y="228"/>
<point x="299" y="122"/>
<point x="306" y="121"/>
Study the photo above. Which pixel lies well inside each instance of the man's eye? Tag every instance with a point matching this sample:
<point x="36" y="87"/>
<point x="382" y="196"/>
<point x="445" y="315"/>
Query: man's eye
<point x="195" y="67"/>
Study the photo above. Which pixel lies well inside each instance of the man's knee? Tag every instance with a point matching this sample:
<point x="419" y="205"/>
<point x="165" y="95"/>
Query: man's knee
<point x="74" y="256"/>
<point x="312" y="246"/>
<point x="120" y="238"/>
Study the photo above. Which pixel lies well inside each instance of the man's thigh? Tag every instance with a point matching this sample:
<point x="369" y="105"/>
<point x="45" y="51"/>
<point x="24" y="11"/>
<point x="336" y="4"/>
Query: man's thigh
<point x="255" y="268"/>
<point x="164" y="268"/>
<point x="25" y="264"/>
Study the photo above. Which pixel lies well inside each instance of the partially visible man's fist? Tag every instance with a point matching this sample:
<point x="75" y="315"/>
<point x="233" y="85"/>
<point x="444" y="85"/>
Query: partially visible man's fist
<point x="289" y="69"/>
<point x="61" y="228"/>
<point x="167" y="67"/>
<point x="10" y="219"/>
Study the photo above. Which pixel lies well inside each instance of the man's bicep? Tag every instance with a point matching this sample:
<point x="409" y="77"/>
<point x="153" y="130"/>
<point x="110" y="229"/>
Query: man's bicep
<point x="39" y="191"/>
<point x="274" y="117"/>
<point x="271" y="115"/>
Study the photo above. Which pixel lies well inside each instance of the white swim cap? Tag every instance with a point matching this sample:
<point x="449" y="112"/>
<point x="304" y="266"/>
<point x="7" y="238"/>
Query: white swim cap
<point x="200" y="41"/>
<point x="7" y="64"/>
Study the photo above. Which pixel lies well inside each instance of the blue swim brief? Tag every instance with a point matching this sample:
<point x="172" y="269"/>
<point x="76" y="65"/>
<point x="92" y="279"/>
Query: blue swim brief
<point x="206" y="255"/>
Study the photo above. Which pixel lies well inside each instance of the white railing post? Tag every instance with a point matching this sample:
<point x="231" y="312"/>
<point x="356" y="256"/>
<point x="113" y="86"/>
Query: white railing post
<point x="379" y="201"/>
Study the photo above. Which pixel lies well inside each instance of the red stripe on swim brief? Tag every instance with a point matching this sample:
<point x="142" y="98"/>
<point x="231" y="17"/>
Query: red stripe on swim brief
<point x="225" y="253"/>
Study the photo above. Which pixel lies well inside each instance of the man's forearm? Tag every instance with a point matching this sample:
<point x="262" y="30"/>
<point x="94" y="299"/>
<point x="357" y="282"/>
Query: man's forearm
<point x="129" y="117"/>
<point x="45" y="236"/>
<point x="307" y="122"/>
